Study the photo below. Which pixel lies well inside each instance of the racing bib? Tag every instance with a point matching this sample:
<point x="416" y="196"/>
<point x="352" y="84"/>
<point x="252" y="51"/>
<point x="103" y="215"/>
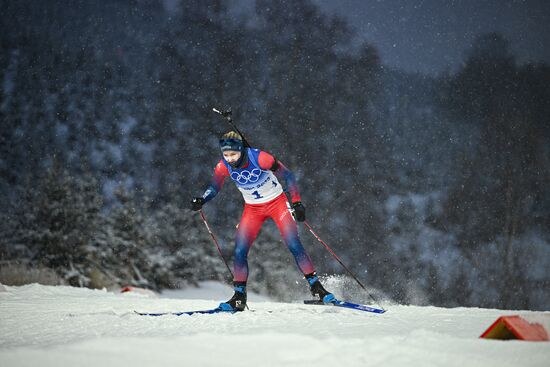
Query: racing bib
<point x="257" y="185"/>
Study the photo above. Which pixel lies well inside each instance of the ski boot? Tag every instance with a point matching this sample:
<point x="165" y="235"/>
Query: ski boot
<point x="317" y="289"/>
<point x="238" y="301"/>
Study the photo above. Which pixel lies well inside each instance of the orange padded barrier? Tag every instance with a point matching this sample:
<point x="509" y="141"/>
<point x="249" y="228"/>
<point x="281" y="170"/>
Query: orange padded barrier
<point x="514" y="327"/>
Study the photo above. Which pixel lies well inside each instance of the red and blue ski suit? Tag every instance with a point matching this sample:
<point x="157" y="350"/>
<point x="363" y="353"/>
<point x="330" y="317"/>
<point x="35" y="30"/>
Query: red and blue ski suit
<point x="264" y="198"/>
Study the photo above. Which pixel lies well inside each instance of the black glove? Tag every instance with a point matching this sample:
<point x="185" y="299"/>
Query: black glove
<point x="197" y="203"/>
<point x="299" y="211"/>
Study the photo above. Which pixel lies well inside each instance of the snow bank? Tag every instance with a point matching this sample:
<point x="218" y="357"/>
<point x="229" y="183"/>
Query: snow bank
<point x="64" y="326"/>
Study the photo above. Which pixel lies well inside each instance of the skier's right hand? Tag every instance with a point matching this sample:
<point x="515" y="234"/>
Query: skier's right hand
<point x="197" y="203"/>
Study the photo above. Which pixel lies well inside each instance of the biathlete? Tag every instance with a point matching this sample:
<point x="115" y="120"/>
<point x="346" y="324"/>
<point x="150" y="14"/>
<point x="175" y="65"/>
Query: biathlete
<point x="256" y="175"/>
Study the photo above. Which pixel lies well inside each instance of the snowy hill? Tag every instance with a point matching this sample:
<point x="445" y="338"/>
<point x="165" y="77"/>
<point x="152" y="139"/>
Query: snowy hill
<point x="65" y="326"/>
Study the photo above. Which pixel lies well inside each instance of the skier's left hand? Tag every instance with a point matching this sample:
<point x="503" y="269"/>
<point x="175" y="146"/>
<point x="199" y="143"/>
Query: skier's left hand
<point x="299" y="211"/>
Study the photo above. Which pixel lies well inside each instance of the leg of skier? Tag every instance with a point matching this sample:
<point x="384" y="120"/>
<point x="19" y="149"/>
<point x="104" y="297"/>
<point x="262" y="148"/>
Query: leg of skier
<point x="279" y="212"/>
<point x="249" y="227"/>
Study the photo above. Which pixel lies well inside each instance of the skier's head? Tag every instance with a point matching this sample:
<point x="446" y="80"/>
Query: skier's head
<point x="232" y="148"/>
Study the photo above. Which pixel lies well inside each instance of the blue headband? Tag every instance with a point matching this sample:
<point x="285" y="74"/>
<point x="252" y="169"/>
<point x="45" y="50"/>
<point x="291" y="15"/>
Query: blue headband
<point x="231" y="144"/>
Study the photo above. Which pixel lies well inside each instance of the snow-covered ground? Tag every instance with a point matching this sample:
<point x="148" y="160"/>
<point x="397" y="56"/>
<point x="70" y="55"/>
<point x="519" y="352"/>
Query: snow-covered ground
<point x="64" y="326"/>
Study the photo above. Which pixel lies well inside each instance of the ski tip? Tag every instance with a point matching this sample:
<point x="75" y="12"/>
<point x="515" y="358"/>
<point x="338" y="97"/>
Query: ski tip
<point x="148" y="313"/>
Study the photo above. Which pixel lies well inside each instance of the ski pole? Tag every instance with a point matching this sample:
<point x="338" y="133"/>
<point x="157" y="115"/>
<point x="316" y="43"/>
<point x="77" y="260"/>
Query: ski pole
<point x="341" y="263"/>
<point x="216" y="242"/>
<point x="218" y="246"/>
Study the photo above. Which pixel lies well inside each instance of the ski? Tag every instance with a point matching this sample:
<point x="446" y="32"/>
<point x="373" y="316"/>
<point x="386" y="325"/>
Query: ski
<point x="345" y="304"/>
<point x="204" y="312"/>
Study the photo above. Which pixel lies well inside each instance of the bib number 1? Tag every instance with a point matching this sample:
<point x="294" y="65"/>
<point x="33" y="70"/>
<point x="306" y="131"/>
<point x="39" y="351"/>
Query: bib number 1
<point x="257" y="195"/>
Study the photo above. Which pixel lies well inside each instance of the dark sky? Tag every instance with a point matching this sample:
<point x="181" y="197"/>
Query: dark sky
<point x="432" y="35"/>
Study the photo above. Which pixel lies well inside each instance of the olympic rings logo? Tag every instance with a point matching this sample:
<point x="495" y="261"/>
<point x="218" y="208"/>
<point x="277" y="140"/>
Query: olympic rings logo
<point x="245" y="177"/>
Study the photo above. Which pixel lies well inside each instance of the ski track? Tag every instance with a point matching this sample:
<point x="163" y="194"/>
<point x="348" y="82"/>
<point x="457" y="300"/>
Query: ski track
<point x="65" y="326"/>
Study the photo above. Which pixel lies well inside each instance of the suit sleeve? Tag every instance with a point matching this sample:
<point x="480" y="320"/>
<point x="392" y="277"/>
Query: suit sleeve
<point x="268" y="162"/>
<point x="216" y="184"/>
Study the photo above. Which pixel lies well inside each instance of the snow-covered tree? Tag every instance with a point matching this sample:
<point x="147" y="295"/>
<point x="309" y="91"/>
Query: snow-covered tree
<point x="188" y="252"/>
<point x="58" y="221"/>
